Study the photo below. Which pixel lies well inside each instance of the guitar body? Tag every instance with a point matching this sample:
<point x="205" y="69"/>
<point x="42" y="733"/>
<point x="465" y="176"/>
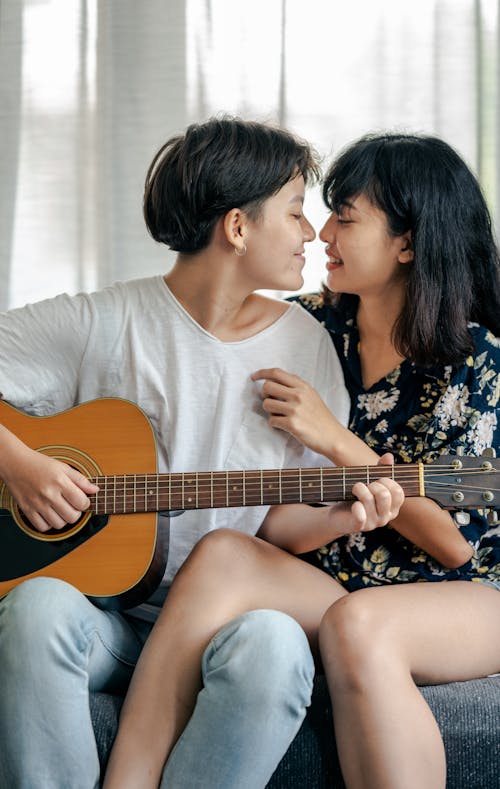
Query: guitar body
<point x="115" y="560"/>
<point x="115" y="553"/>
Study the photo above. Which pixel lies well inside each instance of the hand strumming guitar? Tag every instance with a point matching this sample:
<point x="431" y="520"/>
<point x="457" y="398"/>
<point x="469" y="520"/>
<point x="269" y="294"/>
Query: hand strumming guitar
<point x="49" y="492"/>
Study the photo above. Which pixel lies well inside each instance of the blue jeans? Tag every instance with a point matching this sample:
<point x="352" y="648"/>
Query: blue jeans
<point x="55" y="646"/>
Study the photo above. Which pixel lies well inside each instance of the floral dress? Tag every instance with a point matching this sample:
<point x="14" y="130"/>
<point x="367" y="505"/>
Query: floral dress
<point x="417" y="414"/>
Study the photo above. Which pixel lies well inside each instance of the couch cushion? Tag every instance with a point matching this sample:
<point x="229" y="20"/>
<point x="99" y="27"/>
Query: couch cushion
<point x="468" y="714"/>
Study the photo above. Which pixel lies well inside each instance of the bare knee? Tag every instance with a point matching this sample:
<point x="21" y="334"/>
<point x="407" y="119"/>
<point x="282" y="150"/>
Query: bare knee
<point x="224" y="550"/>
<point x="356" y="641"/>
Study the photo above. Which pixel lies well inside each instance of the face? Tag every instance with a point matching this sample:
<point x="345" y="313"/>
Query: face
<point x="275" y="240"/>
<point x="363" y="258"/>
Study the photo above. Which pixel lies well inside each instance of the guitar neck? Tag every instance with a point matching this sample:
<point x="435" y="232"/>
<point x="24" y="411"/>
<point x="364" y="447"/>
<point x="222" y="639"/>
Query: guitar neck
<point x="131" y="493"/>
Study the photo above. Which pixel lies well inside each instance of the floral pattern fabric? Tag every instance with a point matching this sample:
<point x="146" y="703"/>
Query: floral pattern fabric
<point x="417" y="414"/>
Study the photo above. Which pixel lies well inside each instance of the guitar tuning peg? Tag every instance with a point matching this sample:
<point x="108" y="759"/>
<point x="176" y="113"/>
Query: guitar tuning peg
<point x="462" y="518"/>
<point x="460" y="451"/>
<point x="492" y="518"/>
<point x="489" y="452"/>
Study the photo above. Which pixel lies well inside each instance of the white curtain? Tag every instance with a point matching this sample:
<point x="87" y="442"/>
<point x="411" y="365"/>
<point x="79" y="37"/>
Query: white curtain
<point x="89" y="89"/>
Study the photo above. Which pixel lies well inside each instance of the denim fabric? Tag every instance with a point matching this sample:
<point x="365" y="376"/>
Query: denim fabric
<point x="55" y="647"/>
<point x="258" y="674"/>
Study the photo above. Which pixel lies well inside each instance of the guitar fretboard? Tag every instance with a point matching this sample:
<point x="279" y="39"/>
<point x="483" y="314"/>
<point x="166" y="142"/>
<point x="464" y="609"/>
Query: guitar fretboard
<point x="215" y="489"/>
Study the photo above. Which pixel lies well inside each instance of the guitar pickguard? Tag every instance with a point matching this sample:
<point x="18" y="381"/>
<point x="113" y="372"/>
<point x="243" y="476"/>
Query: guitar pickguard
<point x="25" y="551"/>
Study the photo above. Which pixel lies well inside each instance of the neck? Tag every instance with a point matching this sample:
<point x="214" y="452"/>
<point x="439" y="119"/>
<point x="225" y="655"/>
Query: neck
<point x="205" y="286"/>
<point x="377" y="315"/>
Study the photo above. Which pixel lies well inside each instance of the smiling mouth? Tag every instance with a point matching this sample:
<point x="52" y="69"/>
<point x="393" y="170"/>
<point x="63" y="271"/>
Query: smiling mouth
<point x="333" y="263"/>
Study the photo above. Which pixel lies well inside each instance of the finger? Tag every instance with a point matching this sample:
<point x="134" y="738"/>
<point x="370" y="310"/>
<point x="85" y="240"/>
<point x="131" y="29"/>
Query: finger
<point x="376" y="499"/>
<point x="397" y="496"/>
<point x="358" y="514"/>
<point x="276" y="391"/>
<point x="386" y="460"/>
<point x="276" y="374"/>
<point x="68" y="512"/>
<point x="382" y="502"/>
<point x="82" y="482"/>
<point x="389" y="502"/>
<point x="279" y="422"/>
<point x="276" y="407"/>
<point x="46" y="520"/>
<point x="36" y="520"/>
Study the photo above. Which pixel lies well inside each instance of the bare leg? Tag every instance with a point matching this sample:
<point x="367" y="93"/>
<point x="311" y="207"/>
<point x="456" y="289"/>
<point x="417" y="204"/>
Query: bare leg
<point x="376" y="644"/>
<point x="227" y="574"/>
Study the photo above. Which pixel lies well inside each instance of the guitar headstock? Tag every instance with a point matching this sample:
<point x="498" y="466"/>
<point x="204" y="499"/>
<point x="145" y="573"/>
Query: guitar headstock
<point x="464" y="482"/>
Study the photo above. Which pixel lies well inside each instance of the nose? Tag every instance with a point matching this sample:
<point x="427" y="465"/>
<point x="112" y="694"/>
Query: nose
<point x="309" y="231"/>
<point x="327" y="232"/>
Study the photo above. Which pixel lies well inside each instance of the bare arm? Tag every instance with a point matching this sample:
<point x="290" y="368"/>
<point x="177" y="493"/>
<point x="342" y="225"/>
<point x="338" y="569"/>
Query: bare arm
<point x="50" y="493"/>
<point x="294" y="406"/>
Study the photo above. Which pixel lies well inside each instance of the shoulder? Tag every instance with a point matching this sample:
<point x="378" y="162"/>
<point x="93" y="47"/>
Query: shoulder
<point x="136" y="295"/>
<point x="312" y="303"/>
<point x="333" y="317"/>
<point x="487" y="346"/>
<point x="132" y="288"/>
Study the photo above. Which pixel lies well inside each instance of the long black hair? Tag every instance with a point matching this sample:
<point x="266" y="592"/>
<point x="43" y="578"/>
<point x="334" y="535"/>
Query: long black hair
<point x="423" y="186"/>
<point x="197" y="177"/>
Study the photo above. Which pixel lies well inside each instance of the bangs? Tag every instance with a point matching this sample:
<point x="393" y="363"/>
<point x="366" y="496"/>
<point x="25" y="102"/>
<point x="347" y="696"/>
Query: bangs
<point x="347" y="180"/>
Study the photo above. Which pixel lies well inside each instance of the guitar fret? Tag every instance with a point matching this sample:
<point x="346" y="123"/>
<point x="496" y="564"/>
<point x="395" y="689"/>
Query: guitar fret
<point x="215" y="489"/>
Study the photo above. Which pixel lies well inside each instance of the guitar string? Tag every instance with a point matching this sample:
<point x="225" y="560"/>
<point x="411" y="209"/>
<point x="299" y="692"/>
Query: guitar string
<point x="207" y="480"/>
<point x="330" y="472"/>
<point x="252" y="487"/>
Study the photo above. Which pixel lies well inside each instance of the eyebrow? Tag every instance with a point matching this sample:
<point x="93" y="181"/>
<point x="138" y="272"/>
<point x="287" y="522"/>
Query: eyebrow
<point x="297" y="199"/>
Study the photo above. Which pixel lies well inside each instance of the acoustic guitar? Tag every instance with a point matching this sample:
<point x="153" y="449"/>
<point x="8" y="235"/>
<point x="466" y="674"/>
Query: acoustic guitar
<point x="115" y="552"/>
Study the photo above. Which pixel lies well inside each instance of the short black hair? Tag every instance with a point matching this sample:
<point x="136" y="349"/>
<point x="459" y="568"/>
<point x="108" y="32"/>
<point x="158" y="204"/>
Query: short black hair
<point x="225" y="163"/>
<point x="424" y="186"/>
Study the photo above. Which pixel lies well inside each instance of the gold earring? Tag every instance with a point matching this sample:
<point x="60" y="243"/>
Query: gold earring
<point x="241" y="252"/>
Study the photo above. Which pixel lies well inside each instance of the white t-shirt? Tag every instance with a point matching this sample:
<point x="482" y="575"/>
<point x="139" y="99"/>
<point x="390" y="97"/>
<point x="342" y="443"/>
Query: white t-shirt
<point x="135" y="341"/>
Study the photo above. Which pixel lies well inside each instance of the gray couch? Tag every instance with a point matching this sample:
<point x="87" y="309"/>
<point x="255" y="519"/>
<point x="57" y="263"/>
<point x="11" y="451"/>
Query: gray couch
<point x="468" y="714"/>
